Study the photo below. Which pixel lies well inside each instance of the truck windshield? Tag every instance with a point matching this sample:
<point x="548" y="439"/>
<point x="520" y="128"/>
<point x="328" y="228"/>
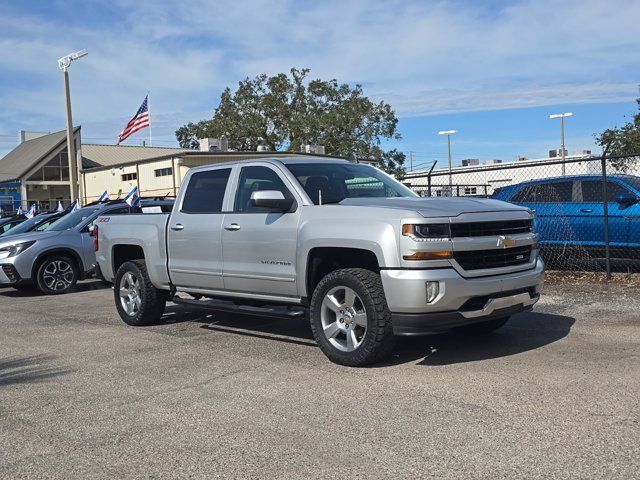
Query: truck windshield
<point x="73" y="219"/>
<point x="333" y="182"/>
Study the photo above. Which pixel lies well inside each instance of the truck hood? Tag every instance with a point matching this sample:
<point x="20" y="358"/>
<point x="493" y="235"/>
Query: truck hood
<point x="436" y="206"/>
<point x="26" y="237"/>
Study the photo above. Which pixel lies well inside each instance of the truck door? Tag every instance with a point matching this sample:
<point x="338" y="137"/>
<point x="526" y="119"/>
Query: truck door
<point x="194" y="240"/>
<point x="260" y="245"/>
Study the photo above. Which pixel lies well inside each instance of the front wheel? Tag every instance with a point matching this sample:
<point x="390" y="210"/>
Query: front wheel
<point x="350" y="319"/>
<point x="138" y="302"/>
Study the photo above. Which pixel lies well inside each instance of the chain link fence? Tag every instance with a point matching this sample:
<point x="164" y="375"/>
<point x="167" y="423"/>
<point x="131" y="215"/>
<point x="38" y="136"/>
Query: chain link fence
<point x="587" y="208"/>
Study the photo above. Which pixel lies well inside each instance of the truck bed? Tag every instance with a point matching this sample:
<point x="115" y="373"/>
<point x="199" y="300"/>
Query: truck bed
<point x="145" y="230"/>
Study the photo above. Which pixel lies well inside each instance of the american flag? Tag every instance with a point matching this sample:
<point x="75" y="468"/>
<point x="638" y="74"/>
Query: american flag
<point x="139" y="121"/>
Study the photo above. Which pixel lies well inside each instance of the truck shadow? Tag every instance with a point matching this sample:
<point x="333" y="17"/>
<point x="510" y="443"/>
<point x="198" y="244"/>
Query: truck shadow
<point x="524" y="332"/>
<point x="15" y="370"/>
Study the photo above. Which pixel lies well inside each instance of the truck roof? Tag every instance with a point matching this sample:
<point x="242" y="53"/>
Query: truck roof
<point x="282" y="160"/>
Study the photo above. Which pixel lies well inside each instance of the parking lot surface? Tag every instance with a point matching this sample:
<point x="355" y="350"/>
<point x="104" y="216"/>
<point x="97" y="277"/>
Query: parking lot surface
<point x="554" y="394"/>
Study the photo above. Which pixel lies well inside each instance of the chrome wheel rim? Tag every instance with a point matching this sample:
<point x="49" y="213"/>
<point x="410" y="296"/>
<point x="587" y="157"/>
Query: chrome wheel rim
<point x="344" y="318"/>
<point x="130" y="294"/>
<point x="57" y="275"/>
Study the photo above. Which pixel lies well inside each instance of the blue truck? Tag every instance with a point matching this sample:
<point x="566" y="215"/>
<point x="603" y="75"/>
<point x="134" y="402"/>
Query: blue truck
<point x="570" y="214"/>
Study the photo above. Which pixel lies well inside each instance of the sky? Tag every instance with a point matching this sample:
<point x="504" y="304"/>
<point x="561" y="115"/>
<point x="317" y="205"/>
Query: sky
<point x="492" y="70"/>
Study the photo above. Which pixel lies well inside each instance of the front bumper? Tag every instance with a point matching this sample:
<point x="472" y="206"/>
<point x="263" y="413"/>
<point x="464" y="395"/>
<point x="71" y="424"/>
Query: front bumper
<point x="461" y="301"/>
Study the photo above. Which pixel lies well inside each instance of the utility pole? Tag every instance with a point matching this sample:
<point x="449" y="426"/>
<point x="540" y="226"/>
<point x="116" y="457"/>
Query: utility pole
<point x="448" y="133"/>
<point x="562" y="116"/>
<point x="63" y="64"/>
<point x="411" y="161"/>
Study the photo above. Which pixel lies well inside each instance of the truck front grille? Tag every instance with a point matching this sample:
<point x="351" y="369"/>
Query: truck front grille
<point x="485" y="229"/>
<point x="502" y="257"/>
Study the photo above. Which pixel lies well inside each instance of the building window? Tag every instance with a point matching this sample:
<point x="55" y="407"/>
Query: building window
<point x="127" y="177"/>
<point x="164" y="172"/>
<point x="470" y="190"/>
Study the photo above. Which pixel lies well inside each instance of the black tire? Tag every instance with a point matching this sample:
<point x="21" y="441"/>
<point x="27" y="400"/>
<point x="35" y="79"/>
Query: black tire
<point x="57" y="274"/>
<point x="152" y="301"/>
<point x="482" y="328"/>
<point x="378" y="341"/>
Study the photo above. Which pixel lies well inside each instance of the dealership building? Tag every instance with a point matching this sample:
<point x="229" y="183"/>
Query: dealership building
<point x="37" y="170"/>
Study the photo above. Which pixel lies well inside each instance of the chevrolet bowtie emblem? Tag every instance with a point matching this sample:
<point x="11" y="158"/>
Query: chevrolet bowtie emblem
<point x="506" y="242"/>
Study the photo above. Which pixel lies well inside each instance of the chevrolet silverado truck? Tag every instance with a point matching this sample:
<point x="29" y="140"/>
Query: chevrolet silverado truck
<point x="342" y="243"/>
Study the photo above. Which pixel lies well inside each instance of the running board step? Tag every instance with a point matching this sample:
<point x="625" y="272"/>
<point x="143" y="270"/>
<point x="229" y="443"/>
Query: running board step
<point x="279" y="311"/>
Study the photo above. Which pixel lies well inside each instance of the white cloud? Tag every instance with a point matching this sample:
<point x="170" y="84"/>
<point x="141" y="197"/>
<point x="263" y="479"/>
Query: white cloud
<point x="424" y="58"/>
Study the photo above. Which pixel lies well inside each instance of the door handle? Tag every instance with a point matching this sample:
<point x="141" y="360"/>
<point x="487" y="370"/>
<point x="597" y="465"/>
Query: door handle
<point x="177" y="227"/>
<point x="233" y="227"/>
<point x="586" y="210"/>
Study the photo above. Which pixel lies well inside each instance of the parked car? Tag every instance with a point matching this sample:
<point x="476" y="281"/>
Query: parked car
<point x="55" y="259"/>
<point x="8" y="223"/>
<point x="570" y="213"/>
<point x="35" y="224"/>
<point x="367" y="256"/>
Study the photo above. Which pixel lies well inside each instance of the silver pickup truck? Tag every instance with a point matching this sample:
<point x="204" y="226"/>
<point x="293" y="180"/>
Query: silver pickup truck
<point x="363" y="255"/>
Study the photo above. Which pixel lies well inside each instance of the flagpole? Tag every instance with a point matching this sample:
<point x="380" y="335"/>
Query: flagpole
<point x="149" y="112"/>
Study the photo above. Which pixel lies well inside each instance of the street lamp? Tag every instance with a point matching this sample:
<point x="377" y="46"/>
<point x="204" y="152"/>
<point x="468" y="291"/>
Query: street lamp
<point x="448" y="133"/>
<point x="63" y="64"/>
<point x="562" y="116"/>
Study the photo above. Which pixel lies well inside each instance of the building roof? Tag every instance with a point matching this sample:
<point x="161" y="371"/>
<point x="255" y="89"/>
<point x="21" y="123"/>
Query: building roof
<point x="21" y="159"/>
<point x="94" y="156"/>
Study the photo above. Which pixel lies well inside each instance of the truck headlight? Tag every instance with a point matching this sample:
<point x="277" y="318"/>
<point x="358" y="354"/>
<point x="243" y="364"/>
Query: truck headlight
<point x="427" y="231"/>
<point x="13" y="250"/>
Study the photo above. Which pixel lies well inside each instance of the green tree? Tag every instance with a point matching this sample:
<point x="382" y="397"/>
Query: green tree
<point x="285" y="112"/>
<point x="623" y="140"/>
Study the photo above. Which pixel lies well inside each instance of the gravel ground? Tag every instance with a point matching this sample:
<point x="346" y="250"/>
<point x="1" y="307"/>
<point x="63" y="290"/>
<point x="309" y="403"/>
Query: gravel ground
<point x="554" y="394"/>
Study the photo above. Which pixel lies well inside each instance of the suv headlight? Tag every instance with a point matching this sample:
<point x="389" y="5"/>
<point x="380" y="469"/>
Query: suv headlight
<point x="13" y="250"/>
<point x="427" y="231"/>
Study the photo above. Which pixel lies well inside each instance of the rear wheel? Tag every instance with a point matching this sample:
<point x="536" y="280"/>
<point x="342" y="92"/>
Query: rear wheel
<point x="350" y="318"/>
<point x="57" y="275"/>
<point x="482" y="328"/>
<point x="138" y="302"/>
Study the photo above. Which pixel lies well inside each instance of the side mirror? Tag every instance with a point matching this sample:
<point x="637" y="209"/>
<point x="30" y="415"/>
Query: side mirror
<point x="271" y="199"/>
<point x="626" y="198"/>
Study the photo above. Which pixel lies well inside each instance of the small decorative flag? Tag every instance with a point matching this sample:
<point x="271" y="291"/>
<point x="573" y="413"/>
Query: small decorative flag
<point x="104" y="197"/>
<point x="60" y="207"/>
<point x="32" y="212"/>
<point x="19" y="212"/>
<point x="133" y="199"/>
<point x="74" y="206"/>
<point x="139" y="121"/>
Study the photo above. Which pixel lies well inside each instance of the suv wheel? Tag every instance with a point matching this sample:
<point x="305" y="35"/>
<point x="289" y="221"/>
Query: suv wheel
<point x="482" y="328"/>
<point x="138" y="302"/>
<point x="350" y="319"/>
<point x="57" y="275"/>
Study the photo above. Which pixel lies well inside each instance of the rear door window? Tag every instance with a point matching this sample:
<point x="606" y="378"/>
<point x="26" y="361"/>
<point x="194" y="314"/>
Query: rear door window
<point x="205" y="192"/>
<point x="549" y="192"/>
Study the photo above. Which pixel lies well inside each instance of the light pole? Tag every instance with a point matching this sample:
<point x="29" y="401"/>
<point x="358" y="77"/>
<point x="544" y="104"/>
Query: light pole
<point x="448" y="133"/>
<point x="562" y="116"/>
<point x="64" y="63"/>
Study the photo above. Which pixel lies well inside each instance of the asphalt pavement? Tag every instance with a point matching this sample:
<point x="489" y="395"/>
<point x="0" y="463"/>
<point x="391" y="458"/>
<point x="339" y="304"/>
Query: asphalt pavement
<point x="554" y="394"/>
